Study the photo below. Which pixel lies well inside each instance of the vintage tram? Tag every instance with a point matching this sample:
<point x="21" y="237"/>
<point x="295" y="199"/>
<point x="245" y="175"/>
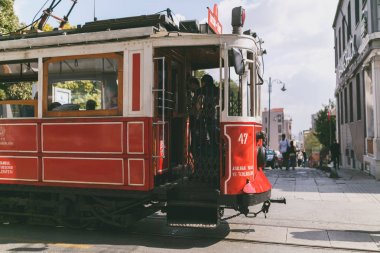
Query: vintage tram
<point x="100" y="124"/>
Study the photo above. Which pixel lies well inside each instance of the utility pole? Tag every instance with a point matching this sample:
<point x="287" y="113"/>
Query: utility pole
<point x="269" y="93"/>
<point x="269" y="121"/>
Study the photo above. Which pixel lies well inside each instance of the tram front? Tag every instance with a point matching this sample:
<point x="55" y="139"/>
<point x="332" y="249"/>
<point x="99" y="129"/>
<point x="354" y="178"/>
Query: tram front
<point x="224" y="140"/>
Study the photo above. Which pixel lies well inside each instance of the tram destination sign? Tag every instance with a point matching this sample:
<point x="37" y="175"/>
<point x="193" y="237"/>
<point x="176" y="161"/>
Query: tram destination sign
<point x="213" y="20"/>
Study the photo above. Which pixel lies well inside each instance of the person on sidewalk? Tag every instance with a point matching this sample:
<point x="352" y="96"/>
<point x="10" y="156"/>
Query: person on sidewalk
<point x="292" y="153"/>
<point x="304" y="158"/>
<point x="283" y="148"/>
<point x="335" y="154"/>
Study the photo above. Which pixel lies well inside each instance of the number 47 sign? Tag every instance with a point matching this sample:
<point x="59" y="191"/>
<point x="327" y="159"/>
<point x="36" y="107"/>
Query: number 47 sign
<point x="243" y="138"/>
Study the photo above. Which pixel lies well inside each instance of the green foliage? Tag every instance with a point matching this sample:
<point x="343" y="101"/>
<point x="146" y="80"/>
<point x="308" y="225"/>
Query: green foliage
<point x="324" y="128"/>
<point x="234" y="99"/>
<point x="16" y="91"/>
<point x="48" y="27"/>
<point x="82" y="91"/>
<point x="8" y="19"/>
<point x="199" y="74"/>
<point x="311" y="143"/>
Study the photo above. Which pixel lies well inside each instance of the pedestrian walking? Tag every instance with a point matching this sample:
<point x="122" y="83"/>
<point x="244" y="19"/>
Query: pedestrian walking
<point x="304" y="158"/>
<point x="292" y="155"/>
<point x="335" y="154"/>
<point x="283" y="148"/>
<point x="299" y="158"/>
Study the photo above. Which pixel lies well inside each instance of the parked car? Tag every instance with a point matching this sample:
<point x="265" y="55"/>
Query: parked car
<point x="270" y="158"/>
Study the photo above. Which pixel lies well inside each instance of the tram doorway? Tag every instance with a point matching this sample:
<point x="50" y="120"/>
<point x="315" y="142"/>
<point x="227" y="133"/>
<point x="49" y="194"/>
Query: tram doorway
<point x="187" y="118"/>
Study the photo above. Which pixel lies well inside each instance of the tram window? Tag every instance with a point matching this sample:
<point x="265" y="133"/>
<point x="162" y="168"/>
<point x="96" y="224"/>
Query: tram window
<point x="86" y="85"/>
<point x="18" y="96"/>
<point x="234" y="94"/>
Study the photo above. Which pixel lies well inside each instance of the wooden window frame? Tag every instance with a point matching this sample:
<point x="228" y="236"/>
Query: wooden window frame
<point x="86" y="113"/>
<point x="32" y="102"/>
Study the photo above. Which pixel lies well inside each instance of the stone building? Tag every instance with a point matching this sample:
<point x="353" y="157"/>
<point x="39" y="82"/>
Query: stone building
<point x="357" y="66"/>
<point x="279" y="124"/>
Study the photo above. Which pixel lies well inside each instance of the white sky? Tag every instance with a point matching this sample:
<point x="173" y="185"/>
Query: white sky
<point x="298" y="37"/>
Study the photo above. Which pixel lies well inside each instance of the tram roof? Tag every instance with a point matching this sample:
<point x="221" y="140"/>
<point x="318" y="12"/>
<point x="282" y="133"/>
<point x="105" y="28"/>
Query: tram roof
<point x="121" y="29"/>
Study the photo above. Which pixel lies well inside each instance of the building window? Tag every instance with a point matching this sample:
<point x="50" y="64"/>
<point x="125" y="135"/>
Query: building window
<point x="343" y="33"/>
<point x="279" y="129"/>
<point x="351" y="97"/>
<point x="87" y="85"/>
<point x="349" y="21"/>
<point x="345" y="106"/>
<point x="340" y="43"/>
<point x="358" y="98"/>
<point x="351" y="101"/>
<point x="357" y="12"/>
<point x="338" y="109"/>
<point x="341" y="107"/>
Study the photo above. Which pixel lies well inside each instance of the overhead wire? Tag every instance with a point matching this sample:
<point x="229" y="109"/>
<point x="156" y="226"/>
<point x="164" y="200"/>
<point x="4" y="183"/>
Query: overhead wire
<point x="51" y="8"/>
<point x="39" y="10"/>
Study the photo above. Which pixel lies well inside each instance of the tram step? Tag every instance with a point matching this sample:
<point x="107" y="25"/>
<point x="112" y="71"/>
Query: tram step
<point x="192" y="216"/>
<point x="192" y="206"/>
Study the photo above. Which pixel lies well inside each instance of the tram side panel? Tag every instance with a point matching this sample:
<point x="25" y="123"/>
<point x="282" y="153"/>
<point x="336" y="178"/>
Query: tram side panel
<point x="241" y="175"/>
<point x="81" y="154"/>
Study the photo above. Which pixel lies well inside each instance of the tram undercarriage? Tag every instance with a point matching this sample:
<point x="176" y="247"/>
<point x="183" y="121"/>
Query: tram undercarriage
<point x="73" y="208"/>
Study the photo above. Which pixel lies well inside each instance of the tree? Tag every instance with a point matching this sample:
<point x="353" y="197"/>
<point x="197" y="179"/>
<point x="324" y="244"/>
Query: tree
<point x="311" y="143"/>
<point x="8" y="19"/>
<point x="325" y="125"/>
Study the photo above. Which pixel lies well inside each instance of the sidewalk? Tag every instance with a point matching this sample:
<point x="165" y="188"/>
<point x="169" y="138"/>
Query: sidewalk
<point x="350" y="174"/>
<point x="322" y="211"/>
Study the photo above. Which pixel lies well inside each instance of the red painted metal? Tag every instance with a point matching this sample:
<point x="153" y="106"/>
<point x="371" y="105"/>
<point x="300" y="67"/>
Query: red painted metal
<point x="136" y="81"/>
<point x="18" y="137"/>
<point x="162" y="150"/>
<point x="79" y="152"/>
<point x="213" y="20"/>
<point x="241" y="163"/>
<point x="82" y="170"/>
<point x="82" y="137"/>
<point x="19" y="168"/>
<point x="135" y="131"/>
<point x="136" y="172"/>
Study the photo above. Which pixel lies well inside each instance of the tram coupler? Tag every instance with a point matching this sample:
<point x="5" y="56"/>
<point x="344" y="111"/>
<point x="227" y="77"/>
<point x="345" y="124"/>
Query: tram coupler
<point x="279" y="200"/>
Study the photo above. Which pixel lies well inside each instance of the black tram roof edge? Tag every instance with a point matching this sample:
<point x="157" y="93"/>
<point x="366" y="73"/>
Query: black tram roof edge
<point x="160" y="22"/>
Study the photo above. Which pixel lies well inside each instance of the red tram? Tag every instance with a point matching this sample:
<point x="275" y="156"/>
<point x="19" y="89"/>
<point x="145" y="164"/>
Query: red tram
<point x="96" y="124"/>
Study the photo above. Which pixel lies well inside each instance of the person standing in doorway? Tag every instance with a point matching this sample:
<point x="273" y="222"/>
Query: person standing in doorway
<point x="283" y="148"/>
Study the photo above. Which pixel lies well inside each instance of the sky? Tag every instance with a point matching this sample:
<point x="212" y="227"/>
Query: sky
<point x="298" y="38"/>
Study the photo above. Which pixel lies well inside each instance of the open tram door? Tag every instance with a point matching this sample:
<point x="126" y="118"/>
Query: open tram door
<point x="169" y="126"/>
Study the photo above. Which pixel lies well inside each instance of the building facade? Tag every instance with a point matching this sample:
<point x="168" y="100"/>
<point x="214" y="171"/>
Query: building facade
<point x="357" y="66"/>
<point x="279" y="124"/>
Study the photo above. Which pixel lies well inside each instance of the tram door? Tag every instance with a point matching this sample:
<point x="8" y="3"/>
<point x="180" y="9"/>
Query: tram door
<point x="170" y="122"/>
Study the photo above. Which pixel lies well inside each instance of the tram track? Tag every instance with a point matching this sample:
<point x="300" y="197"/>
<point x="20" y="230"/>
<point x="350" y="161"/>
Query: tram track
<point x="215" y="236"/>
<point x="315" y="247"/>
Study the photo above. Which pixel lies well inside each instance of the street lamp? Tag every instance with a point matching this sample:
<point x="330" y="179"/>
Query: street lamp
<point x="269" y="92"/>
